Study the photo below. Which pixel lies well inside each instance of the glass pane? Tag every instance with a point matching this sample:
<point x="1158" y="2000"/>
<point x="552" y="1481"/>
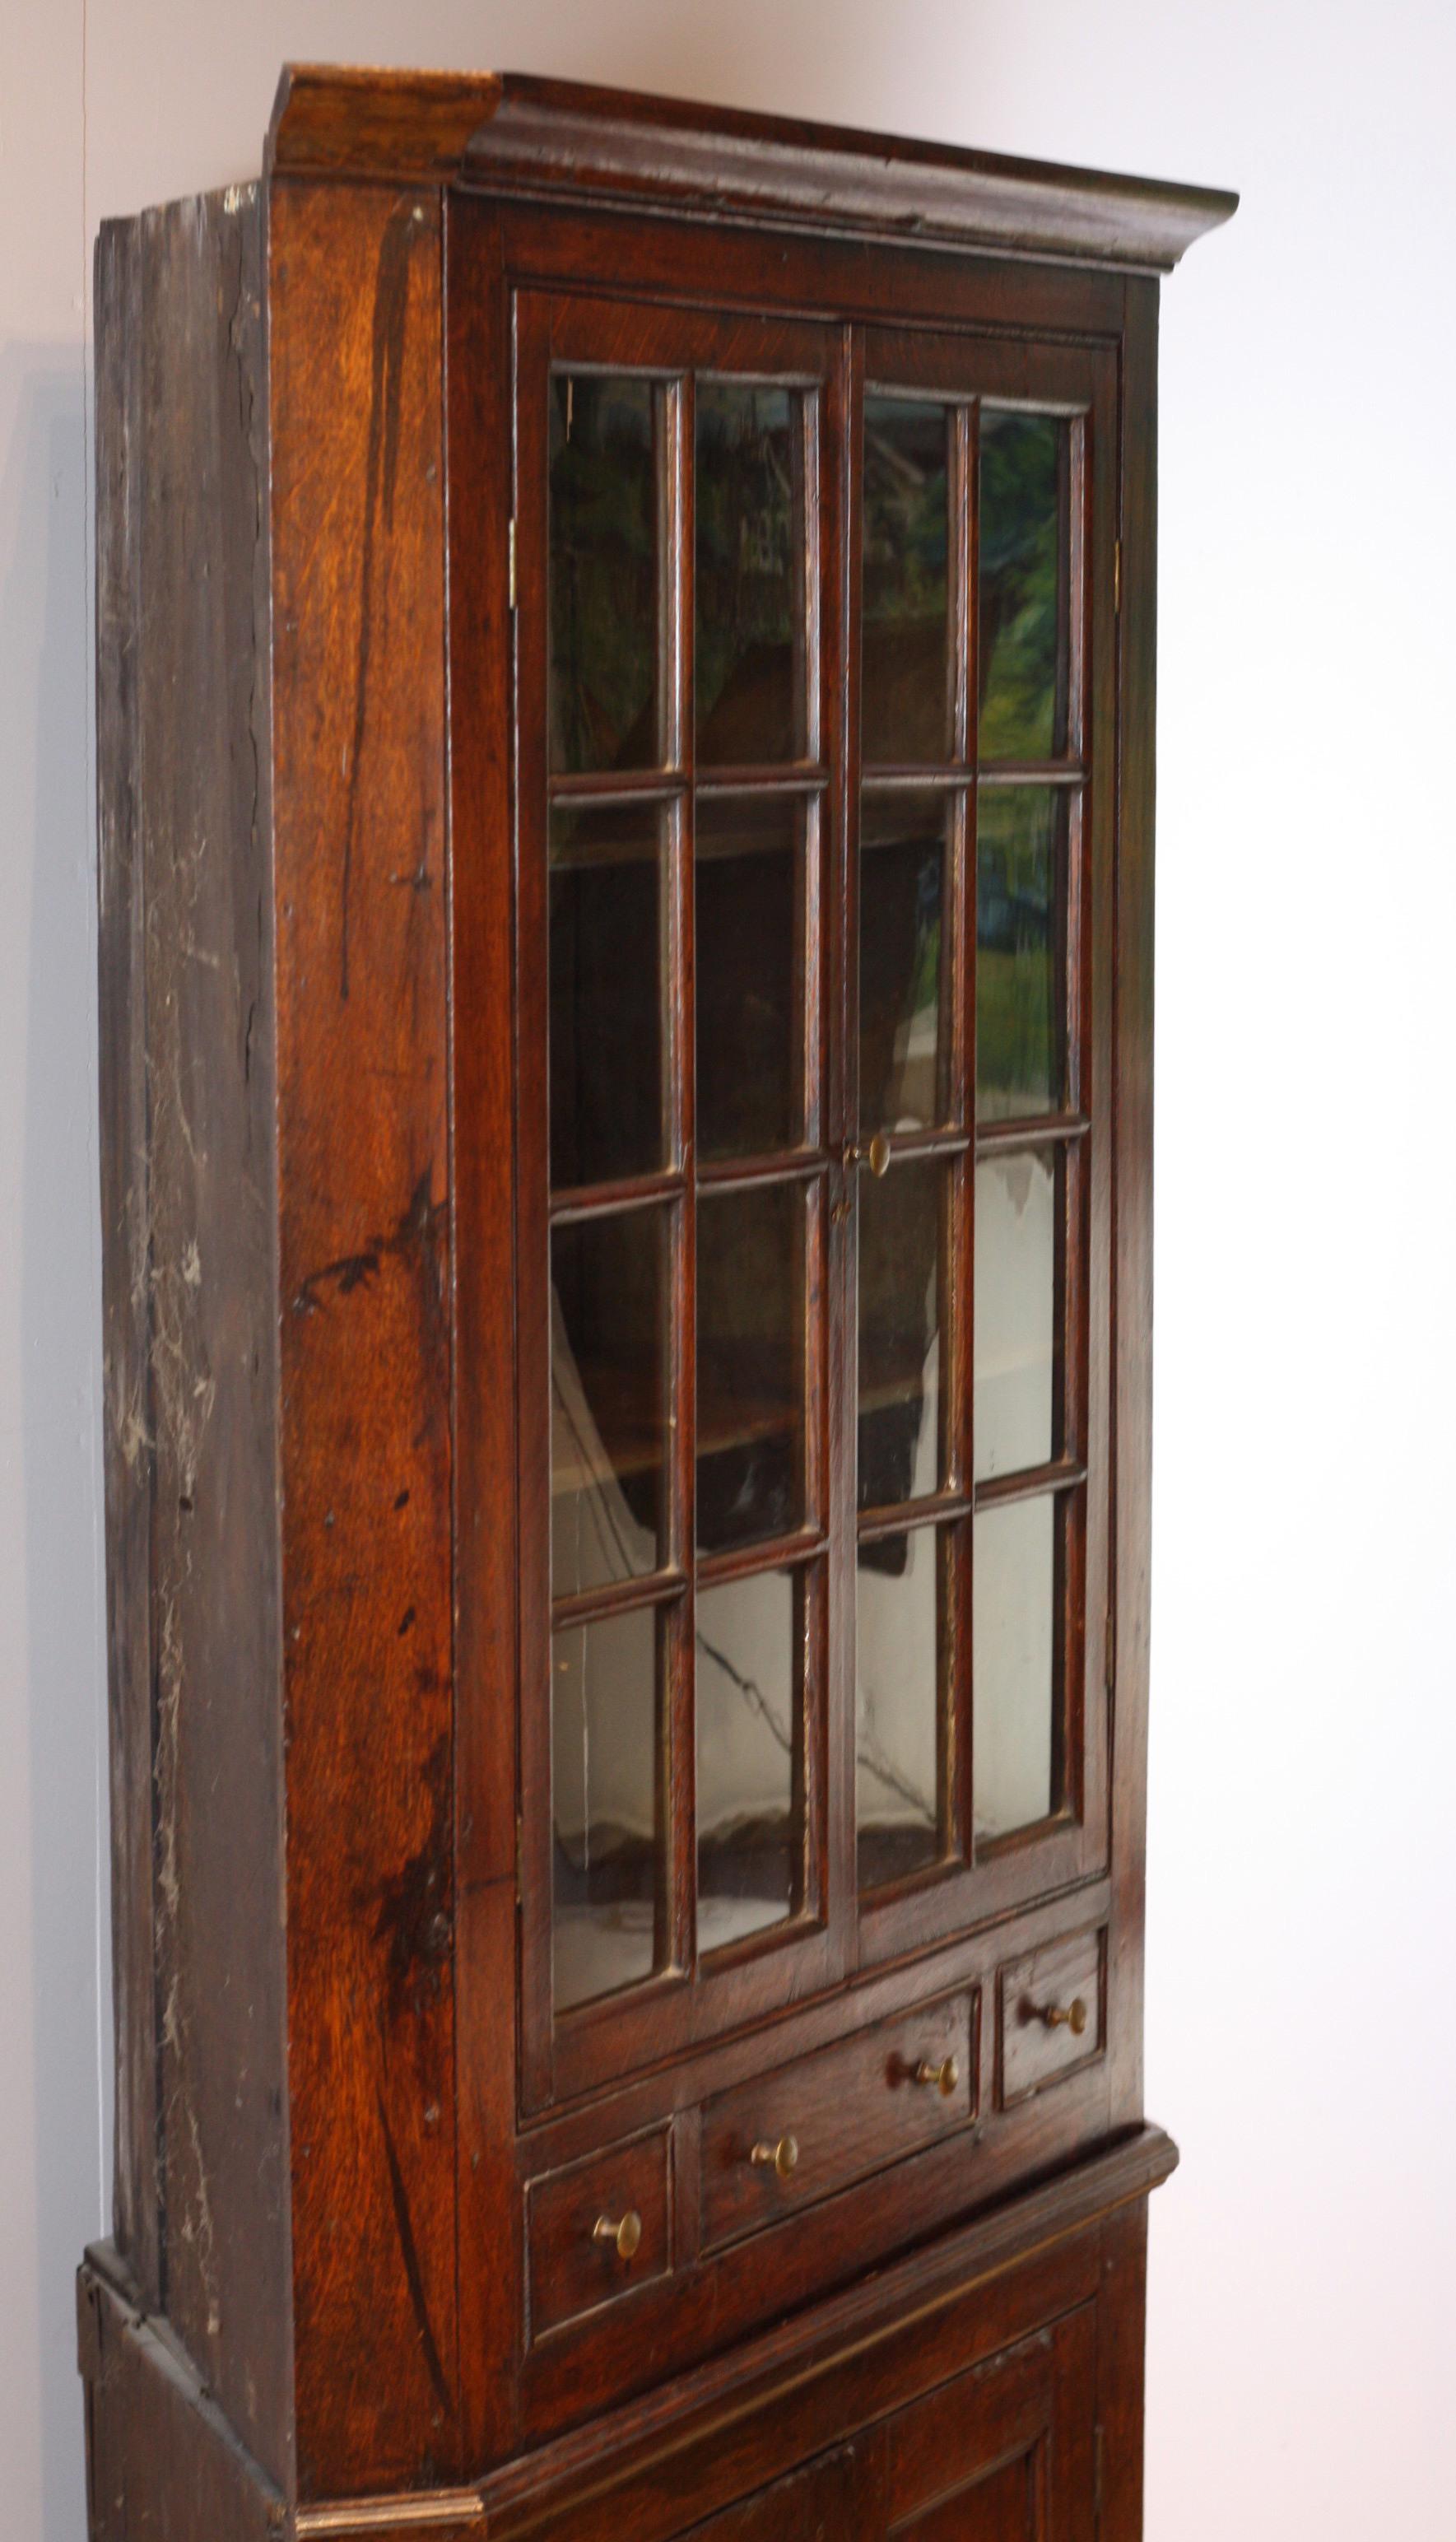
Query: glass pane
<point x="749" y="1845"/>
<point x="750" y="574"/>
<point x="1019" y="869"/>
<point x="605" y="994"/>
<point x="1023" y="585"/>
<point x="908" y="687"/>
<point x="750" y="1365"/>
<point x="605" y="1806"/>
<point x="904" y="859"/>
<point x="900" y="1449"/>
<point x="898" y="1747"/>
<point x="605" y="439"/>
<point x="608" y="1330"/>
<point x="749" y="977"/>
<point x="1013" y="1642"/>
<point x="1015" y="1313"/>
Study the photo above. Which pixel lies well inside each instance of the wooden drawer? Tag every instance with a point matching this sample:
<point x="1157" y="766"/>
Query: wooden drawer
<point x="844" y="2112"/>
<point x="1049" y="2015"/>
<point x="575" y="2266"/>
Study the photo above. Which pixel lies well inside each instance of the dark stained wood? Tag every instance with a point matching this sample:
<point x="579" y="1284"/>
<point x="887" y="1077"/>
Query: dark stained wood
<point x="822" y="2502"/>
<point x="162" y="2461"/>
<point x="518" y="133"/>
<point x="483" y="1184"/>
<point x="774" y="2401"/>
<point x="359" y="2163"/>
<point x="849" y="2110"/>
<point x="189" y="1202"/>
<point x="363" y="1243"/>
<point x="1005" y="2452"/>
<point x="1121" y="2315"/>
<point x="398" y="124"/>
<point x="573" y="2268"/>
<point x="1032" y="2050"/>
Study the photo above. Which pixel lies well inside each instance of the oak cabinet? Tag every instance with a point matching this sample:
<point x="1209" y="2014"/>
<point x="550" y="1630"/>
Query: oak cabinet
<point x="624" y="710"/>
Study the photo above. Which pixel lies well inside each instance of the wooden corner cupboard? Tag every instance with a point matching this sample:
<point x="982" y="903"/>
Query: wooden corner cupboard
<point x="625" y="735"/>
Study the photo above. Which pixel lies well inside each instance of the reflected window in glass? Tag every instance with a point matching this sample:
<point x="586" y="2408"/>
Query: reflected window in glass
<point x="1013" y="1644"/>
<point x="899" y="1639"/>
<point x="750" y="1846"/>
<point x="900" y="1447"/>
<point x="606" y="1806"/>
<point x="1016" y="1203"/>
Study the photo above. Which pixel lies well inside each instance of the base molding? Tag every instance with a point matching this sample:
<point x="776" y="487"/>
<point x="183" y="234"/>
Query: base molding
<point x="156" y="2438"/>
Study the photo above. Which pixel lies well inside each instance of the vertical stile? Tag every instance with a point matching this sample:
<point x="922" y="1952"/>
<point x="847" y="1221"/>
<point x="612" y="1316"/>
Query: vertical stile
<point x="842" y="580"/>
<point x="963" y="1381"/>
<point x="532" y="1144"/>
<point x="681" y="1724"/>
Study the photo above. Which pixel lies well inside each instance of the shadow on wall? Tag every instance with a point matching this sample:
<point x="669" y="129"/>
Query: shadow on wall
<point x="56" y="1669"/>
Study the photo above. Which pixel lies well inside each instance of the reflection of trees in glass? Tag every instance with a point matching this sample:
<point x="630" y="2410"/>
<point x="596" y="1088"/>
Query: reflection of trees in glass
<point x="748" y="502"/>
<point x="603" y="572"/>
<point x="1023" y="675"/>
<point x="1017" y="886"/>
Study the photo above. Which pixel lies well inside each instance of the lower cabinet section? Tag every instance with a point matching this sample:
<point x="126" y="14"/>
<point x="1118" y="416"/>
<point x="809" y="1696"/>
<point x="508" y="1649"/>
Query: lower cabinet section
<point x="986" y="2388"/>
<point x="1003" y="2453"/>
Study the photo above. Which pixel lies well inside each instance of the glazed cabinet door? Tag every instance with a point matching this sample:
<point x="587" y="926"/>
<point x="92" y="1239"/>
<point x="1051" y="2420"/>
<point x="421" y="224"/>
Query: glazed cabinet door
<point x="813" y="816"/>
<point x="679" y="541"/>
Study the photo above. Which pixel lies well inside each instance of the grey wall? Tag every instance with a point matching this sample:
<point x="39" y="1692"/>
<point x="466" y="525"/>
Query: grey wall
<point x="1305" y="1730"/>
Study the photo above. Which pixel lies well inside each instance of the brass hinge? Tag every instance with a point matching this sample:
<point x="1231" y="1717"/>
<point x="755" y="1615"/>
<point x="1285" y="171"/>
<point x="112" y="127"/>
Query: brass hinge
<point x="511" y="560"/>
<point x="1117" y="578"/>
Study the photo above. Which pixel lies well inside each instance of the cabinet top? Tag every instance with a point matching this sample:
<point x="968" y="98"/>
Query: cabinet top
<point x="565" y="141"/>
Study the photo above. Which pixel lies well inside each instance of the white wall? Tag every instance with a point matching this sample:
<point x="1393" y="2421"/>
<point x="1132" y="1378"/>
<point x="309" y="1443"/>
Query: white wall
<point x="1301" y="2002"/>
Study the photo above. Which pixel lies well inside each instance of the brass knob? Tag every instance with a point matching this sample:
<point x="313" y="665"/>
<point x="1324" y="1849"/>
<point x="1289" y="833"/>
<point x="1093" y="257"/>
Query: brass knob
<point x="1074" y="2015"/>
<point x="876" y="1155"/>
<point x="782" y="2158"/>
<point x="625" y="2237"/>
<point x="945" y="2076"/>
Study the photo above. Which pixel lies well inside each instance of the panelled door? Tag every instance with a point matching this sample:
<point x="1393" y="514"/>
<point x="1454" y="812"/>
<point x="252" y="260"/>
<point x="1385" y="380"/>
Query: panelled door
<point x="813" y="803"/>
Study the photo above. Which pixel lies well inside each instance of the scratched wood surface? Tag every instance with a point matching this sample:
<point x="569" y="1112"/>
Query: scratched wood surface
<point x="359" y="776"/>
<point x="188" y="1201"/>
<point x="322" y="1496"/>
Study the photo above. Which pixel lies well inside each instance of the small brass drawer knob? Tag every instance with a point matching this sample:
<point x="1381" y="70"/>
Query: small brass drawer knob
<point x="1071" y="2015"/>
<point x="782" y="2158"/>
<point x="625" y="2237"/>
<point x="945" y="2076"/>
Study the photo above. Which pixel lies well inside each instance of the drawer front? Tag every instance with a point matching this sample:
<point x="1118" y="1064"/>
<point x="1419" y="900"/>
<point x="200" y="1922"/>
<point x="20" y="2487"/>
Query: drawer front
<point x="598" y="2230"/>
<point x="1049" y="2015"/>
<point x="779" y="2144"/>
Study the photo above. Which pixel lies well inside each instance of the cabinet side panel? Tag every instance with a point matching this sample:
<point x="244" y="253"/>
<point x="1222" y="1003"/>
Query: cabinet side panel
<point x="1133" y="1205"/>
<point x="126" y="1252"/>
<point x="163" y="2463"/>
<point x="1121" y="2372"/>
<point x="359" y="780"/>
<point x="211" y="1286"/>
